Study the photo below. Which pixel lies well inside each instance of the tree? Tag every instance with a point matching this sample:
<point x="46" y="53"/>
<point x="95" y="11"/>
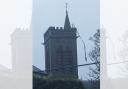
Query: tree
<point x="94" y="56"/>
<point x="57" y="83"/>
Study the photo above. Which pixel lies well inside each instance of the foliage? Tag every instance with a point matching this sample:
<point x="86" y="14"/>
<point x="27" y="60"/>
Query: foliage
<point x="56" y="83"/>
<point x="95" y="58"/>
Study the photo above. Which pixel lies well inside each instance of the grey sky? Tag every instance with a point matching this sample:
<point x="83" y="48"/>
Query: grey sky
<point x="85" y="14"/>
<point x="13" y="14"/>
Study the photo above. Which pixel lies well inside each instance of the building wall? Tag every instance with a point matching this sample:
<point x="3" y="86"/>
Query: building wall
<point x="61" y="51"/>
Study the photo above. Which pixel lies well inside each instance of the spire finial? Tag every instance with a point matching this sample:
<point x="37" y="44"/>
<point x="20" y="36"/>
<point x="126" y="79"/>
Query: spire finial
<point x="66" y="7"/>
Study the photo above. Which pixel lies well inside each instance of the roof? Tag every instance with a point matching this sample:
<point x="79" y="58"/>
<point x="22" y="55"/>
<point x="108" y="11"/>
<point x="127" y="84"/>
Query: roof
<point x="36" y="69"/>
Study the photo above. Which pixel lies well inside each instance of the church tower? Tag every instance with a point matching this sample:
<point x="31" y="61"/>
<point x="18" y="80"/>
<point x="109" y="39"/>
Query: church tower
<point x="61" y="50"/>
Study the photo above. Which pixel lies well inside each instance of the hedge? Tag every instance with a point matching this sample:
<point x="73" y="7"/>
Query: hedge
<point x="56" y="83"/>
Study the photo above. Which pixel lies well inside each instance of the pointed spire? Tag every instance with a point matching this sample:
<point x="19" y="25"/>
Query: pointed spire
<point x="67" y="25"/>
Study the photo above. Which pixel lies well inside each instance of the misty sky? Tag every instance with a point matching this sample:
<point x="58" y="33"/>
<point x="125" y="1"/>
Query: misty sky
<point x="13" y="14"/>
<point x="114" y="19"/>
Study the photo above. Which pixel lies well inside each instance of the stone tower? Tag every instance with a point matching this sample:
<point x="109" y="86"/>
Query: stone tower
<point x="21" y="42"/>
<point x="61" y="50"/>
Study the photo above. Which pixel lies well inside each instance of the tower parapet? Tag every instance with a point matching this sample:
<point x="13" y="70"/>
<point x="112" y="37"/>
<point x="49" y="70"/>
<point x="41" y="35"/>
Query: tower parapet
<point x="59" y="32"/>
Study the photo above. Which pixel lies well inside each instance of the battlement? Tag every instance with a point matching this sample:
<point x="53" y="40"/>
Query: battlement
<point x="56" y="28"/>
<point x="60" y="28"/>
<point x="60" y="32"/>
<point x="20" y="33"/>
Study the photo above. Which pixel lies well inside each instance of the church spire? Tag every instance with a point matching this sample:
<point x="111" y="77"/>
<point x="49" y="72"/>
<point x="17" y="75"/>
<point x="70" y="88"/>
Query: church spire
<point x="67" y="25"/>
